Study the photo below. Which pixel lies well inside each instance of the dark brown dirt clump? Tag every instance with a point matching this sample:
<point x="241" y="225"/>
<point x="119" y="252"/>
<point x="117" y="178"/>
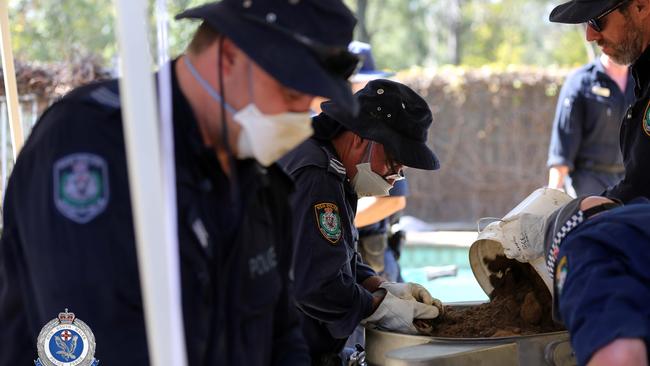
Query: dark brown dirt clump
<point x="519" y="305"/>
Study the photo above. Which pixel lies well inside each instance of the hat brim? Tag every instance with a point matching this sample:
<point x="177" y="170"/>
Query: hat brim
<point x="577" y="12"/>
<point x="408" y="152"/>
<point x="364" y="77"/>
<point x="286" y="60"/>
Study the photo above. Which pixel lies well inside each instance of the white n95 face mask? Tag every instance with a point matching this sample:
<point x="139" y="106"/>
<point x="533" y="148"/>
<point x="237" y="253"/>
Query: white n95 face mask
<point x="368" y="183"/>
<point x="267" y="138"/>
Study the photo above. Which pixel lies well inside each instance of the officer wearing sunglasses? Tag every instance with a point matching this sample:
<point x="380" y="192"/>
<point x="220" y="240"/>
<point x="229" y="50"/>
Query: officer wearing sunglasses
<point x="346" y="158"/>
<point x="622" y="30"/>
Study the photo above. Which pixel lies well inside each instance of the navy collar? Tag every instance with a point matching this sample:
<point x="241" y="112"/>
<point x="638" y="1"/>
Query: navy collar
<point x="334" y="164"/>
<point x="641" y="72"/>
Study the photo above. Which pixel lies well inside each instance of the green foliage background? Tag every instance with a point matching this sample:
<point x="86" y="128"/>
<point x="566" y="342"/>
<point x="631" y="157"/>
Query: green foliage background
<point x="403" y="33"/>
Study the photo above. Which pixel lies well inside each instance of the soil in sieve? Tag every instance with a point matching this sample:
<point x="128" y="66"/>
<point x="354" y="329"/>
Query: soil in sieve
<point x="519" y="305"/>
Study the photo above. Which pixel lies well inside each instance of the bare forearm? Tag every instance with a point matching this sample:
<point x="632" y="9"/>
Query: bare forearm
<point x="556" y="176"/>
<point x="381" y="208"/>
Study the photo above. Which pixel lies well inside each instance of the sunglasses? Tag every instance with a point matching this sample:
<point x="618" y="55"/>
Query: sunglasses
<point x="337" y="61"/>
<point x="597" y="22"/>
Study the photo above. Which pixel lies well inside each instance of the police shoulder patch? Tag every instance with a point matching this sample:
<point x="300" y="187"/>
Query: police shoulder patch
<point x="646" y="120"/>
<point x="561" y="272"/>
<point x="329" y="221"/>
<point x="80" y="184"/>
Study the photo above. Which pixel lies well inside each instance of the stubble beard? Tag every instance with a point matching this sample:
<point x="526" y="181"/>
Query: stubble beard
<point x="630" y="48"/>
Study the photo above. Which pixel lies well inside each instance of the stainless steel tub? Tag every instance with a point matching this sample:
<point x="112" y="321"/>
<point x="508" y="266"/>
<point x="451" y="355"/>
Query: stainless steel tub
<point x="393" y="349"/>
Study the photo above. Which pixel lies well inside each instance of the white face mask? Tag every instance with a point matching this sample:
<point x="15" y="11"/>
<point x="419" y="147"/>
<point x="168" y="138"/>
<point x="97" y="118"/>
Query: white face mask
<point x="368" y="183"/>
<point x="266" y="138"/>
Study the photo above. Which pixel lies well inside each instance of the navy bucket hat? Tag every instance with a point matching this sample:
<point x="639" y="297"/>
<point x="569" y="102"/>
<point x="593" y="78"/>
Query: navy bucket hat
<point x="580" y="11"/>
<point x="391" y="114"/>
<point x="301" y="43"/>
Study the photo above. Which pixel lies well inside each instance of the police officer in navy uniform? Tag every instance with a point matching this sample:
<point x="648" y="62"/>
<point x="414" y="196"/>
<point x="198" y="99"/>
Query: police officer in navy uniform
<point x="595" y="251"/>
<point x="597" y="256"/>
<point x="241" y="98"/>
<point x="375" y="215"/>
<point x="622" y="30"/>
<point x="584" y="156"/>
<point x="350" y="157"/>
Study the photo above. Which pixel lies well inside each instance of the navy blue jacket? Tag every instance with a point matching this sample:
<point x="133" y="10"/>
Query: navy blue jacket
<point x="328" y="270"/>
<point x="635" y="137"/>
<point x="66" y="245"/>
<point x="602" y="279"/>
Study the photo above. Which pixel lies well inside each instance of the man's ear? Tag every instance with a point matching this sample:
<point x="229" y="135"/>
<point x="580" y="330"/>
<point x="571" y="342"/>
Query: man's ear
<point x="642" y="7"/>
<point x="358" y="141"/>
<point x="229" y="54"/>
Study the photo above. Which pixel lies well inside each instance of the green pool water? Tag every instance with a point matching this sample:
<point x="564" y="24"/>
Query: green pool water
<point x="462" y="287"/>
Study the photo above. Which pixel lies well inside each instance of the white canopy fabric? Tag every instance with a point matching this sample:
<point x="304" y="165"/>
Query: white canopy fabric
<point x="9" y="74"/>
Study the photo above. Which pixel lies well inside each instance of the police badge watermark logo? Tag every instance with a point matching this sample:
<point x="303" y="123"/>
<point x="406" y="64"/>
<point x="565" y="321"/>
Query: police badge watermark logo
<point x="81" y="186"/>
<point x="66" y="341"/>
<point x="329" y="221"/>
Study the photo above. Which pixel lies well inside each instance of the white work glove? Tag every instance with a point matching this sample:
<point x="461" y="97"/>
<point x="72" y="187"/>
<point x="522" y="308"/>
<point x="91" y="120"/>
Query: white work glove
<point x="523" y="236"/>
<point x="397" y="315"/>
<point x="411" y="291"/>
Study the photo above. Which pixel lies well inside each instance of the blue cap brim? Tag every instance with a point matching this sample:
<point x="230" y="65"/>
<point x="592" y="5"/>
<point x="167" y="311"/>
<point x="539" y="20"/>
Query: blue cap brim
<point x="580" y="11"/>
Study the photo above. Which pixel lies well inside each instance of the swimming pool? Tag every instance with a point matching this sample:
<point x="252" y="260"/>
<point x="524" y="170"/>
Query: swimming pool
<point x="424" y="256"/>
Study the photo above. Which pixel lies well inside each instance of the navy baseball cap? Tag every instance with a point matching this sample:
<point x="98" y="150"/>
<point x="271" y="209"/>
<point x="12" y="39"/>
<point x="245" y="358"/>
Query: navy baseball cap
<point x="301" y="43"/>
<point x="391" y="114"/>
<point x="580" y="11"/>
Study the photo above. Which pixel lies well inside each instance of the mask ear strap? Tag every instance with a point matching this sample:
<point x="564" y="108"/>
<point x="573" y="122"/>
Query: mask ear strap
<point x="251" y="92"/>
<point x="367" y="156"/>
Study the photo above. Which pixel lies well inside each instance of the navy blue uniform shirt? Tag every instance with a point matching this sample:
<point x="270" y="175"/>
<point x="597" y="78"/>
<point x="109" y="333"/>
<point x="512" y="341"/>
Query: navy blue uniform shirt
<point x="68" y="242"/>
<point x="635" y="137"/>
<point x="328" y="270"/>
<point x="602" y="279"/>
<point x="586" y="128"/>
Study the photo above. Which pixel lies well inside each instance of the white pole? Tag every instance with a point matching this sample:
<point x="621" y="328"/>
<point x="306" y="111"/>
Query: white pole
<point x="11" y="90"/>
<point x="3" y="147"/>
<point x="167" y="129"/>
<point x="157" y="257"/>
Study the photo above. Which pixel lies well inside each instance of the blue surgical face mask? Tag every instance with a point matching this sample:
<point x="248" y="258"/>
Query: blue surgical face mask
<point x="266" y="138"/>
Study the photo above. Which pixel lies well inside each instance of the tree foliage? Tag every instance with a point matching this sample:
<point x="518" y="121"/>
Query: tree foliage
<point x="403" y="33"/>
<point x="469" y="32"/>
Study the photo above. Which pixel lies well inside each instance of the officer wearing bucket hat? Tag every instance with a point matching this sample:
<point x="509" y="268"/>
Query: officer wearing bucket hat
<point x="350" y="157"/>
<point x="240" y="97"/>
<point x="622" y="30"/>
<point x="595" y="259"/>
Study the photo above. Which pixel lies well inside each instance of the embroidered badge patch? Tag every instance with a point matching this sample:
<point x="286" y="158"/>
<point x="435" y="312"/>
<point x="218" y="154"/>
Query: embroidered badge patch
<point x="561" y="272"/>
<point x="646" y="120"/>
<point x="329" y="221"/>
<point x="81" y="186"/>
